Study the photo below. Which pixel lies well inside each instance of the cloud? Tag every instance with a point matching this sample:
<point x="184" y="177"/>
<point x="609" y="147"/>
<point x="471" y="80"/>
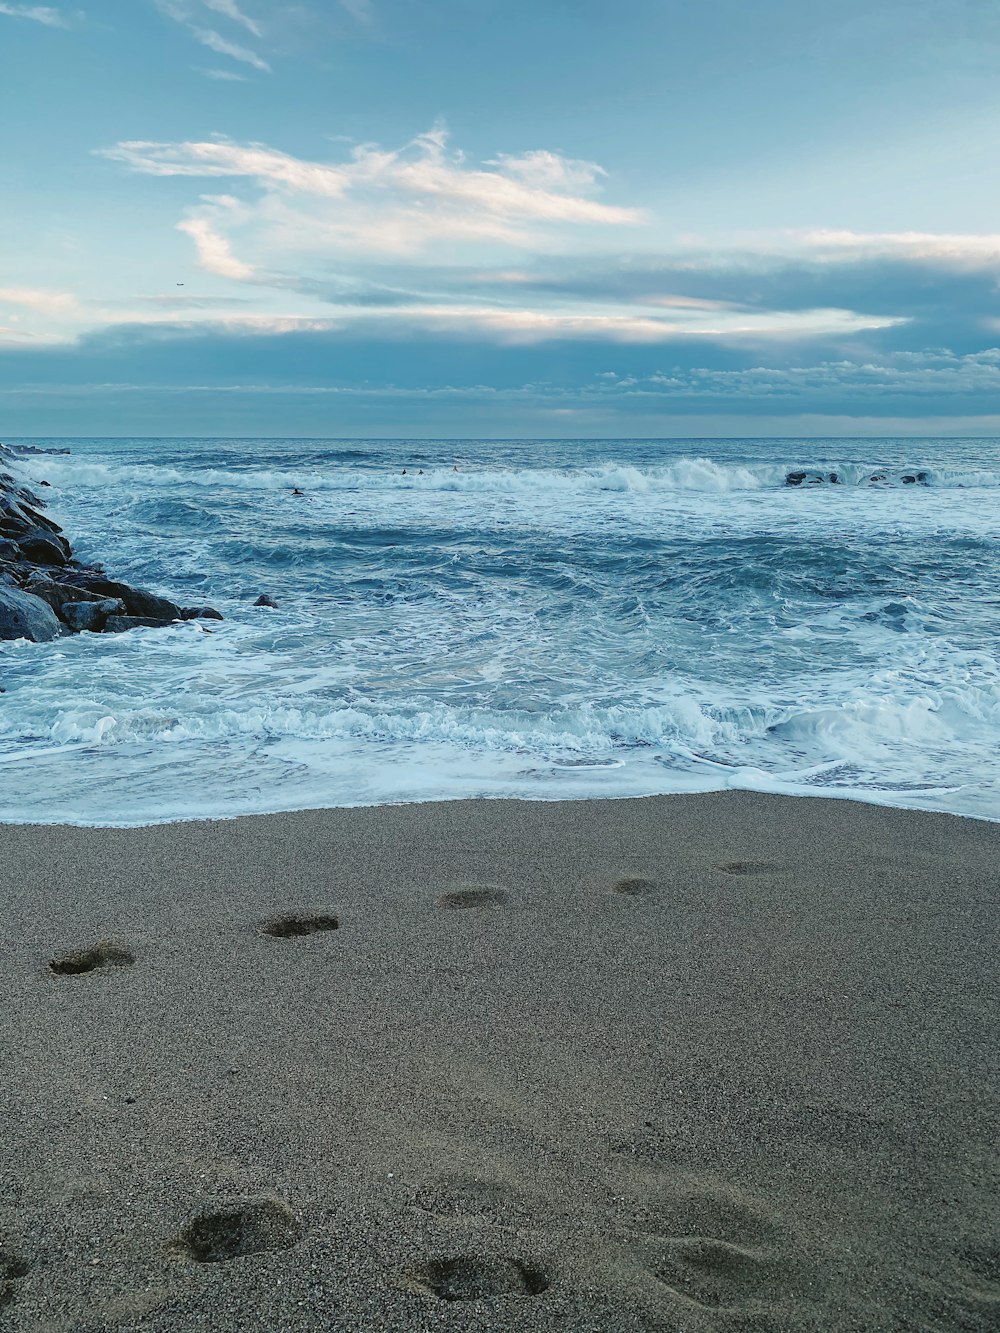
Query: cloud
<point x="180" y="11"/>
<point x="229" y="9"/>
<point x="223" y="75"/>
<point x="957" y="249"/>
<point x="214" y="251"/>
<point x="377" y="202"/>
<point x="215" y="42"/>
<point x="526" y="326"/>
<point x="423" y="170"/>
<point x="39" y="300"/>
<point x="52" y="18"/>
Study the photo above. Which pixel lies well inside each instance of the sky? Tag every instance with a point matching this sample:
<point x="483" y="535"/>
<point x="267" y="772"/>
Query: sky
<point x="496" y="218"/>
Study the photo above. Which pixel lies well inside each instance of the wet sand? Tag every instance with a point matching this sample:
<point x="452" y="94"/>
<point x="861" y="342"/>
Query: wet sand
<point x="725" y="1062"/>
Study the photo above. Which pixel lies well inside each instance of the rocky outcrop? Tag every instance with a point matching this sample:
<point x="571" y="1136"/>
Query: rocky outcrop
<point x="45" y="591"/>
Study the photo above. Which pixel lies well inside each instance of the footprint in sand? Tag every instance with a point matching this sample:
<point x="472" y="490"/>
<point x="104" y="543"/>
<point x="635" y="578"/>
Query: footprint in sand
<point x="290" y="927"/>
<point x="714" y="1249"/>
<point x="472" y="897"/>
<point x="101" y="956"/>
<point x="243" y="1228"/>
<point x="715" y="1273"/>
<point x="634" y="887"/>
<point x="475" y="1277"/>
<point x="983" y="1262"/>
<point x="696" y="1213"/>
<point x="11" y="1271"/>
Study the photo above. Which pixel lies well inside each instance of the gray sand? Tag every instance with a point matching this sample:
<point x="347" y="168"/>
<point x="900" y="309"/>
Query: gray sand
<point x="721" y="1062"/>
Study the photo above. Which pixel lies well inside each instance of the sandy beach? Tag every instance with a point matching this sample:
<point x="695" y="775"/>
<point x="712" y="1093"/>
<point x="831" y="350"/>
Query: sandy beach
<point x="722" y="1062"/>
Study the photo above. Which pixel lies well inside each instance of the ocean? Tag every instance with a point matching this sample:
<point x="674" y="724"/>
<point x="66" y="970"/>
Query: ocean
<point x="541" y="619"/>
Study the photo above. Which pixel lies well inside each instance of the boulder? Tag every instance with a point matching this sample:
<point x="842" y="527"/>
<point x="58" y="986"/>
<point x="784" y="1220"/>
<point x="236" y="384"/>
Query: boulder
<point x="23" y="616"/>
<point x="91" y="616"/>
<point x="265" y="600"/>
<point x="57" y="594"/>
<point x="118" y="624"/>
<point x="9" y="550"/>
<point x="45" y="548"/>
<point x="35" y="519"/>
<point x="201" y="613"/>
<point x="137" y="601"/>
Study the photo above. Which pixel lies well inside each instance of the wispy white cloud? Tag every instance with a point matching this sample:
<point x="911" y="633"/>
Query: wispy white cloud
<point x="223" y="75"/>
<point x="956" y="248"/>
<point x="387" y="201"/>
<point x="39" y="299"/>
<point x="52" y="18"/>
<point x="230" y="10"/>
<point x="223" y="47"/>
<point x="214" y="251"/>
<point x="181" y="11"/>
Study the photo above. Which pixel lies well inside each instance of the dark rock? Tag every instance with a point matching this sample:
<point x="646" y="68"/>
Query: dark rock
<point x="45" y="483"/>
<point x="834" y="479"/>
<point x="37" y="520"/>
<point x="877" y="476"/>
<point x="137" y="601"/>
<point x="201" y="613"/>
<point x="23" y="616"/>
<point x="265" y="600"/>
<point x="58" y="594"/>
<point x="795" y="478"/>
<point x="118" y="624"/>
<point x="45" y="548"/>
<point x="91" y="616"/>
<point x="9" y="550"/>
<point x="31" y="449"/>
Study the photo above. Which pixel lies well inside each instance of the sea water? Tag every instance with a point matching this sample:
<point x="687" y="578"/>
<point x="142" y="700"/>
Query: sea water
<point x="519" y="619"/>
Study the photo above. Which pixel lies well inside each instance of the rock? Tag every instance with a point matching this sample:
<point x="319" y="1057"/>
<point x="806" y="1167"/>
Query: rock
<point x="118" y="624"/>
<point x="201" y="613"/>
<point x="57" y="594"/>
<point x="43" y="547"/>
<point x="265" y="600"/>
<point x="9" y="550"/>
<point x="91" y="616"/>
<point x="137" y="601"/>
<point x="795" y="478"/>
<point x="37" y="520"/>
<point x="23" y="616"/>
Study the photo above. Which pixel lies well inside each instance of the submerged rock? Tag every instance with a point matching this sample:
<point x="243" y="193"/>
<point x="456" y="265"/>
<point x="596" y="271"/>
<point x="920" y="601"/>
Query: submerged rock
<point x="265" y="600"/>
<point x="24" y="616"/>
<point x="118" y="624"/>
<point x="201" y="613"/>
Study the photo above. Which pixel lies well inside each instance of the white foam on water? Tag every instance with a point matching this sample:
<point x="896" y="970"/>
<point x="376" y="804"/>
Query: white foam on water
<point x="401" y="670"/>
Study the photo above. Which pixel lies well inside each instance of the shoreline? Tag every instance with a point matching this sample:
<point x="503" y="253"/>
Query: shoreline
<point x="851" y="797"/>
<point x="723" y="1063"/>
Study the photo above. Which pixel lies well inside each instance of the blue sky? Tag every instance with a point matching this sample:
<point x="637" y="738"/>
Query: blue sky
<point x="468" y="217"/>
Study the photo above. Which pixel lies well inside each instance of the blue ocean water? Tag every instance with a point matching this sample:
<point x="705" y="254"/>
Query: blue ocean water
<point x="510" y="618"/>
